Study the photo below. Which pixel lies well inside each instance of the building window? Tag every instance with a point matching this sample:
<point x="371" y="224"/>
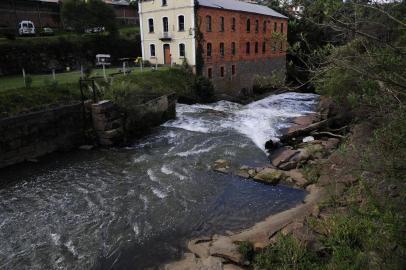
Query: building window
<point x="281" y="47"/>
<point x="221" y="71"/>
<point x="209" y="73"/>
<point x="181" y="50"/>
<point x="222" y="49"/>
<point x="247" y="48"/>
<point x="233" y="48"/>
<point x="152" y="50"/>
<point x="275" y="26"/>
<point x="233" y="23"/>
<point x="181" y="23"/>
<point x="151" y="25"/>
<point x="274" y="46"/>
<point x="256" y="47"/>
<point x="165" y="24"/>
<point x="208" y="23"/>
<point x="164" y="2"/>
<point x="264" y="47"/>
<point x="209" y="49"/>
<point x="233" y="70"/>
<point x="221" y="24"/>
<point x="282" y="28"/>
<point x="256" y="26"/>
<point x="264" y="26"/>
<point x="248" y="25"/>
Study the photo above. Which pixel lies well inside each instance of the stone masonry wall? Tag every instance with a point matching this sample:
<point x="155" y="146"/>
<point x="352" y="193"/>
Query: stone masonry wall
<point x="36" y="134"/>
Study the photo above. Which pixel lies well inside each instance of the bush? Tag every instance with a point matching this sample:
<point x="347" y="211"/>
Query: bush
<point x="246" y="249"/>
<point x="160" y="82"/>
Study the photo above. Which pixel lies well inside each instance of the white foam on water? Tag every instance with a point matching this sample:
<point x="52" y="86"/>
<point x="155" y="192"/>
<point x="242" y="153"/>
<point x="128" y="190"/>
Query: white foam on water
<point x="259" y="121"/>
<point x="165" y="169"/>
<point x="159" y="193"/>
<point x="152" y="175"/>
<point x="69" y="245"/>
<point x="140" y="159"/>
<point x="56" y="239"/>
<point x="195" y="152"/>
<point x="136" y="229"/>
<point x="145" y="200"/>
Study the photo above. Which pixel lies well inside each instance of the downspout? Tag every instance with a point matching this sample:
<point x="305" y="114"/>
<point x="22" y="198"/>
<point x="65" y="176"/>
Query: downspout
<point x="194" y="34"/>
<point x="141" y="29"/>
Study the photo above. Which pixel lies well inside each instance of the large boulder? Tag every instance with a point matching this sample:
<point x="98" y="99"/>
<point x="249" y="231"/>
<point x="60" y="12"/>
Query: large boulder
<point x="225" y="248"/>
<point x="270" y="176"/>
<point x="282" y="155"/>
<point x="221" y="165"/>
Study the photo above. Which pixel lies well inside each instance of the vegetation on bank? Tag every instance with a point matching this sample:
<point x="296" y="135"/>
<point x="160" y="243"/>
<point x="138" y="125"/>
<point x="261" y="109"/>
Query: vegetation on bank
<point x="187" y="86"/>
<point x="124" y="90"/>
<point x="23" y="100"/>
<point x="354" y="52"/>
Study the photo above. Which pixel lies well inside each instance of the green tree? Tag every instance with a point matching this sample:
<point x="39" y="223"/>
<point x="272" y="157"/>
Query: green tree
<point x="81" y="15"/>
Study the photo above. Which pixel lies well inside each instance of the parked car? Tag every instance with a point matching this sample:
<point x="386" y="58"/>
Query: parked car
<point x="97" y="29"/>
<point x="47" y="31"/>
<point x="26" y="28"/>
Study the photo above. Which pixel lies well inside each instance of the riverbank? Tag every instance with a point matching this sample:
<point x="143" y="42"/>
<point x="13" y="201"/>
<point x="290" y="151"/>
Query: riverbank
<point x="288" y="164"/>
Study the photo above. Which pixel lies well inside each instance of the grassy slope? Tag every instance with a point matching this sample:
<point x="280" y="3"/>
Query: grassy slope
<point x="13" y="82"/>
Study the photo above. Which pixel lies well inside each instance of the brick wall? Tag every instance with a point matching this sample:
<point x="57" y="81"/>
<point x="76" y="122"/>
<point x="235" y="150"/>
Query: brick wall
<point x="246" y="64"/>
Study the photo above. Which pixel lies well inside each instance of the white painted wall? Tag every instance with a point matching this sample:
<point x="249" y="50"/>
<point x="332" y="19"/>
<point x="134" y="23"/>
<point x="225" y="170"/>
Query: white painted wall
<point x="154" y="9"/>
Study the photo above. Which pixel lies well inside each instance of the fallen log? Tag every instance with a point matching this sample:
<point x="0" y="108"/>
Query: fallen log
<point x="290" y="137"/>
<point x="329" y="134"/>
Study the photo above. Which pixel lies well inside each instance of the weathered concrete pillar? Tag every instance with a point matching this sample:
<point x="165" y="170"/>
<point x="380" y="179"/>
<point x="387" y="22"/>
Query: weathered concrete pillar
<point x="107" y="122"/>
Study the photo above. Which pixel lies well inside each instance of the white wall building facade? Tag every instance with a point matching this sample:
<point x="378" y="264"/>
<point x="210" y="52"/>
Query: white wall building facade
<point x="167" y="31"/>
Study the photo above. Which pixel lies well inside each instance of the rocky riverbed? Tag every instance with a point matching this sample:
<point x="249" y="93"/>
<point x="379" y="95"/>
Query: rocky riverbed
<point x="309" y="140"/>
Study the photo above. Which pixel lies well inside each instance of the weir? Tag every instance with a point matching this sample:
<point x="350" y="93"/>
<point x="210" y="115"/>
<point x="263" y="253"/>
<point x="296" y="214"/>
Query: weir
<point x="138" y="205"/>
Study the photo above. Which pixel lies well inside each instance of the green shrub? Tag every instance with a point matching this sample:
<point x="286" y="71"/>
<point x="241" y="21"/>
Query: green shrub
<point x="286" y="253"/>
<point x="246" y="249"/>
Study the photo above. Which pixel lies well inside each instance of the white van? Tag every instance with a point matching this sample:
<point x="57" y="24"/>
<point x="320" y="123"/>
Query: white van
<point x="26" y="28"/>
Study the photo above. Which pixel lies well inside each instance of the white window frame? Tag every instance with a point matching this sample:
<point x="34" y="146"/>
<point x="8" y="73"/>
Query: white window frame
<point x="153" y="24"/>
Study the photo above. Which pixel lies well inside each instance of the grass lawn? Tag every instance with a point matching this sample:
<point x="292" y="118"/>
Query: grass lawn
<point x="14" y="82"/>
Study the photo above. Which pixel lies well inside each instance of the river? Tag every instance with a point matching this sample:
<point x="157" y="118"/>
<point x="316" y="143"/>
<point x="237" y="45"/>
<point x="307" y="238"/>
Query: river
<point x="134" y="207"/>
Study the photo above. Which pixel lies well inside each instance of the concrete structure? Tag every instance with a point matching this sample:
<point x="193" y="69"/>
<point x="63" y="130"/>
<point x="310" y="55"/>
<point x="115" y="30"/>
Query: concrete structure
<point x="46" y="13"/>
<point x="228" y="41"/>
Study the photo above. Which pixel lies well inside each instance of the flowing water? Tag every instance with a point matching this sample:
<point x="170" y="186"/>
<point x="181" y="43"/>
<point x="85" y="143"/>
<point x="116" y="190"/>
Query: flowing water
<point x="134" y="207"/>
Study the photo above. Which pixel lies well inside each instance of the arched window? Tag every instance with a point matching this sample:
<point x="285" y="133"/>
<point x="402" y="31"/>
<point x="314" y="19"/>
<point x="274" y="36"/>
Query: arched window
<point x="151" y="25"/>
<point x="152" y="50"/>
<point x="209" y="49"/>
<point x="247" y="47"/>
<point x="222" y="49"/>
<point x="264" y="47"/>
<point x="233" y="48"/>
<point x="282" y="28"/>
<point x="256" y="47"/>
<point x="181" y="50"/>
<point x="233" y="24"/>
<point x="248" y="25"/>
<point x="221" y="24"/>
<point x="181" y="23"/>
<point x="256" y="26"/>
<point x="165" y="24"/>
<point x="264" y="26"/>
<point x="164" y="2"/>
<point x="208" y="23"/>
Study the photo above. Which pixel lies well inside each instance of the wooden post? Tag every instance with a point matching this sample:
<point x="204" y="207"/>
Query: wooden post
<point x="124" y="70"/>
<point x="141" y="65"/>
<point x="104" y="72"/>
<point x="81" y="72"/>
<point x="53" y="74"/>
<point x="25" y="82"/>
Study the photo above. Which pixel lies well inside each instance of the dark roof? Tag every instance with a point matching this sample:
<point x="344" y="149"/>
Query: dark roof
<point x="241" y="6"/>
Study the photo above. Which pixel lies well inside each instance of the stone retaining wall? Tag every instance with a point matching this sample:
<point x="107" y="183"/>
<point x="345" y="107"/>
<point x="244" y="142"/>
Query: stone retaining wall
<point x="35" y="134"/>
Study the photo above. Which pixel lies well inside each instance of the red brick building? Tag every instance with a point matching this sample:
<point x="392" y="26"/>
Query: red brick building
<point x="238" y="41"/>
